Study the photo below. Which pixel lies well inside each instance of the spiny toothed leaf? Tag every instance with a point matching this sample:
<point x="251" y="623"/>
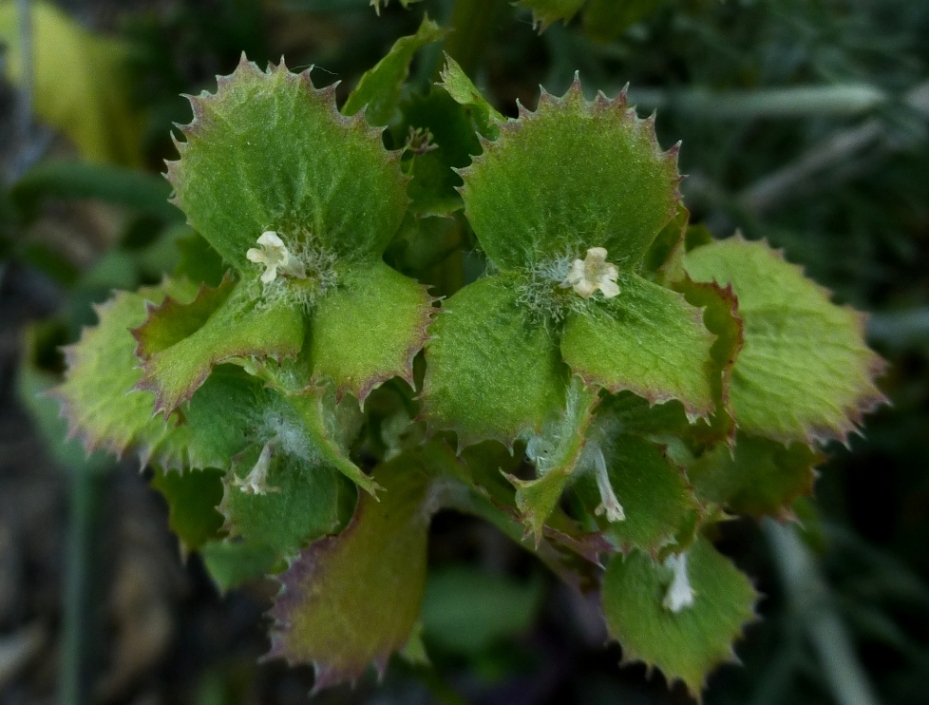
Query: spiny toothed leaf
<point x="379" y="90"/>
<point x="544" y="12"/>
<point x="33" y="386"/>
<point x="571" y="176"/>
<point x="172" y="320"/>
<point x="441" y="136"/>
<point x="456" y="82"/>
<point x="647" y="340"/>
<point x="231" y="563"/>
<point x="98" y="395"/>
<point x="268" y="151"/>
<point x="192" y="497"/>
<point x="240" y="328"/>
<point x="656" y="498"/>
<point x="303" y="501"/>
<point x="758" y="477"/>
<point x="555" y="453"/>
<point x="805" y="372"/>
<point x="352" y="600"/>
<point x="493" y="372"/>
<point x="688" y="644"/>
<point x="369" y="330"/>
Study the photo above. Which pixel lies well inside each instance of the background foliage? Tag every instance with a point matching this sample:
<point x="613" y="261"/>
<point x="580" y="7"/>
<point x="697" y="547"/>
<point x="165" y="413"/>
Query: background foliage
<point x="802" y="122"/>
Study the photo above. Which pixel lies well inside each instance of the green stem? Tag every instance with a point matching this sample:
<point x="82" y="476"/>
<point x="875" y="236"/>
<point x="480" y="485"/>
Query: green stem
<point x="75" y="677"/>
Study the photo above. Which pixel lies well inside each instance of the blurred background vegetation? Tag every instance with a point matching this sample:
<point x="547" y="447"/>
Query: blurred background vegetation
<point x="805" y="122"/>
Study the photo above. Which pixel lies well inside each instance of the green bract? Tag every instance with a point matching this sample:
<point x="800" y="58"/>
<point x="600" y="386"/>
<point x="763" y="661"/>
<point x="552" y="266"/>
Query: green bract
<point x="608" y="389"/>
<point x="302" y="201"/>
<point x="566" y="203"/>
<point x="805" y="372"/>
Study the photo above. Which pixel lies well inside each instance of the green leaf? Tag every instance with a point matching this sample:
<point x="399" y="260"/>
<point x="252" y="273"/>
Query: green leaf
<point x="647" y="340"/>
<point x="467" y="611"/>
<point x="379" y="89"/>
<point x="571" y="176"/>
<point x="721" y="317"/>
<point x="240" y="328"/>
<point x="544" y="12"/>
<point x="655" y="496"/>
<point x="192" y="497"/>
<point x="456" y="82"/>
<point x="607" y="20"/>
<point x="231" y="563"/>
<point x="234" y="414"/>
<point x="556" y="453"/>
<point x="302" y="502"/>
<point x="198" y="261"/>
<point x="635" y="415"/>
<point x="369" y="330"/>
<point x="493" y="371"/>
<point x="804" y="373"/>
<point x="352" y="599"/>
<point x="328" y="427"/>
<point x="80" y="83"/>
<point x="663" y="261"/>
<point x="758" y="477"/>
<point x="171" y="321"/>
<point x="98" y="396"/>
<point x="228" y="413"/>
<point x="687" y="644"/>
<point x="269" y="152"/>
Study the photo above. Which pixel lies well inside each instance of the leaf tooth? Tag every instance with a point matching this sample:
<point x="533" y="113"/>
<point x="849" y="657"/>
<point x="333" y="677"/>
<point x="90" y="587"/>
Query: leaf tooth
<point x="524" y="112"/>
<point x="179" y="145"/>
<point x="245" y="67"/>
<point x="575" y="91"/>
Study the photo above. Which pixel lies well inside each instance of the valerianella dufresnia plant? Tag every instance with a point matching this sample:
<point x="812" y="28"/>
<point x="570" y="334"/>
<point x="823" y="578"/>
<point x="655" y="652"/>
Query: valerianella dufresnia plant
<point x="611" y="387"/>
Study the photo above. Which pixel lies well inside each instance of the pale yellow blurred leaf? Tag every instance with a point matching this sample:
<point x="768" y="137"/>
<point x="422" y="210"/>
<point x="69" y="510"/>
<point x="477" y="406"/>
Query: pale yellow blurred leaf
<point x="80" y="83"/>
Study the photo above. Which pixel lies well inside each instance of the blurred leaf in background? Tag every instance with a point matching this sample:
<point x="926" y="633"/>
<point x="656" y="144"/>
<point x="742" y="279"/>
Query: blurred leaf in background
<point x="80" y="83"/>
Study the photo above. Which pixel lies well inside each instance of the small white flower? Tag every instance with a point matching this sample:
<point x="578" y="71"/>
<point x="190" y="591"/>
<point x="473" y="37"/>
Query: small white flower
<point x="609" y="504"/>
<point x="680" y="594"/>
<point x="592" y="273"/>
<point x="256" y="482"/>
<point x="275" y="256"/>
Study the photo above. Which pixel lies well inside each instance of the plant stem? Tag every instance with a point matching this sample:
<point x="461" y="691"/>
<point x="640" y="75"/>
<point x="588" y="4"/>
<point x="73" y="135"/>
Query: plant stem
<point x="812" y="602"/>
<point x="75" y="677"/>
<point x="801" y="101"/>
